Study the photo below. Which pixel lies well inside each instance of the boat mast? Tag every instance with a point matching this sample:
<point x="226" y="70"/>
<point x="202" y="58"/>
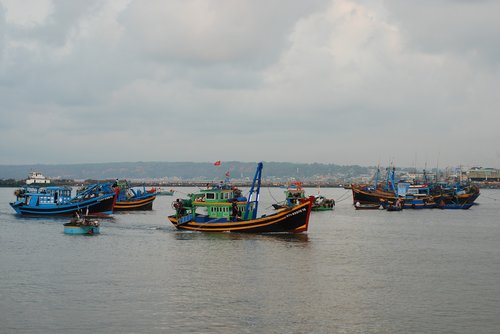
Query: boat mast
<point x="256" y="180"/>
<point x="376" y="177"/>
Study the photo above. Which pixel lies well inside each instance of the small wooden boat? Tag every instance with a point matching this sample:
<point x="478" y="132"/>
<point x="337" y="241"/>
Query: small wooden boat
<point x="133" y="199"/>
<point x="161" y="192"/>
<point x="225" y="210"/>
<point x="367" y="206"/>
<point x="88" y="225"/>
<point x="321" y="203"/>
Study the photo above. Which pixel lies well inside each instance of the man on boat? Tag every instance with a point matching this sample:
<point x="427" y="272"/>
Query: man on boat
<point x="179" y="207"/>
<point x="235" y="212"/>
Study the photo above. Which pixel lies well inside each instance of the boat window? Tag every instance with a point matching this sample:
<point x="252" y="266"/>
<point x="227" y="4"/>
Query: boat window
<point x="210" y="195"/>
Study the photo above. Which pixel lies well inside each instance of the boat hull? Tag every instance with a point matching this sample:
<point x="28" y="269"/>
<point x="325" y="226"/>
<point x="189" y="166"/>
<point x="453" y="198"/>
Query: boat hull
<point x="322" y="208"/>
<point x="85" y="230"/>
<point x="135" y="204"/>
<point x="102" y="205"/>
<point x="453" y="206"/>
<point x="290" y="220"/>
<point x="371" y="197"/>
<point x="165" y="193"/>
<point x="368" y="206"/>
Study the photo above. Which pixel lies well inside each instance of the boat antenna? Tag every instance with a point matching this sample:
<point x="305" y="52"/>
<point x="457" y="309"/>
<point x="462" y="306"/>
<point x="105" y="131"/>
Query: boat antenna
<point x="256" y="182"/>
<point x="376" y="176"/>
<point x="425" y="173"/>
<point x="437" y="168"/>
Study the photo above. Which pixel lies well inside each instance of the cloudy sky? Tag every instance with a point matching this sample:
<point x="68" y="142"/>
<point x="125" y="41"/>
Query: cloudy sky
<point x="341" y="81"/>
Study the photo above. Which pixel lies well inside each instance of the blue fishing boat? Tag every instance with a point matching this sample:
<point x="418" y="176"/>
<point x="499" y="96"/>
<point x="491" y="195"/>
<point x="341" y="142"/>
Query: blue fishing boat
<point x="415" y="196"/>
<point x="82" y="225"/>
<point x="133" y="198"/>
<point x="58" y="200"/>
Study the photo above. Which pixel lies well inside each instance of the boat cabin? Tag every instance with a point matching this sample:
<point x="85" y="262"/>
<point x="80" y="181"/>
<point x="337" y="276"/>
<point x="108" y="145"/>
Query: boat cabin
<point x="217" y="203"/>
<point x="405" y="189"/>
<point x="43" y="196"/>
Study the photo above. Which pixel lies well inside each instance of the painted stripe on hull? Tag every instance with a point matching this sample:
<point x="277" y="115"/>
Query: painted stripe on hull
<point x="294" y="220"/>
<point x="144" y="204"/>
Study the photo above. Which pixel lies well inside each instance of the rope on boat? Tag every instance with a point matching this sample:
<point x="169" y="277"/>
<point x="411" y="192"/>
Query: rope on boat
<point x="342" y="197"/>
<point x="269" y="190"/>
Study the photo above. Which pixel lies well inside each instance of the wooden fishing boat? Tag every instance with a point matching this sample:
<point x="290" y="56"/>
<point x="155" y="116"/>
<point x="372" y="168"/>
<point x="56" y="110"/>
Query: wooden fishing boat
<point x="458" y="195"/>
<point x="294" y="194"/>
<point x="58" y="200"/>
<point x="223" y="209"/>
<point x="367" y="206"/>
<point x="133" y="199"/>
<point x="161" y="192"/>
<point x="82" y="225"/>
<point x="321" y="203"/>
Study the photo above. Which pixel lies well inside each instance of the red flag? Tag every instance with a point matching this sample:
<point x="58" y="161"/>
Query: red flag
<point x="217" y="163"/>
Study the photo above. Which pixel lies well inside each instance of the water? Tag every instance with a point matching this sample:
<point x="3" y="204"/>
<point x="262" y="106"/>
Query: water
<point x="428" y="271"/>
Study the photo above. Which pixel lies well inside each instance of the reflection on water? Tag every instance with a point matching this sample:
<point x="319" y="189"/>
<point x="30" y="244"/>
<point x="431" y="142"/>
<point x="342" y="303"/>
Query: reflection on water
<point x="283" y="237"/>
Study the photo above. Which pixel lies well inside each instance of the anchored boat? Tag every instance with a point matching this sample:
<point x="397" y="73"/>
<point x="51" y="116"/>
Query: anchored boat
<point x="130" y="199"/>
<point x="82" y="225"/>
<point x="58" y="200"/>
<point x="428" y="195"/>
<point x="294" y="194"/>
<point x="221" y="208"/>
<point x="161" y="192"/>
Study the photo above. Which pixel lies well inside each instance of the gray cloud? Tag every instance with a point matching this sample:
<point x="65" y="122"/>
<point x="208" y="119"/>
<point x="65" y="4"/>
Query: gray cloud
<point x="327" y="81"/>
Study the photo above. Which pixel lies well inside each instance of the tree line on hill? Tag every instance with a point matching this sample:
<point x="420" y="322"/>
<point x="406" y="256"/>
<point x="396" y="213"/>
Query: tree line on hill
<point x="180" y="170"/>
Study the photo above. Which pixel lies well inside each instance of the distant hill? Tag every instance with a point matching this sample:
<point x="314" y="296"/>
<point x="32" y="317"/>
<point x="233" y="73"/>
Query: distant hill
<point x="181" y="170"/>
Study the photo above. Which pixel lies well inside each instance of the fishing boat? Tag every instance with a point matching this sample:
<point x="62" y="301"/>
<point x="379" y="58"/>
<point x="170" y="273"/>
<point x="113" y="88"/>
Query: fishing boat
<point x="58" y="200"/>
<point x="416" y="196"/>
<point x="88" y="225"/>
<point x="321" y="203"/>
<point x="133" y="198"/>
<point x="161" y="192"/>
<point x="294" y="194"/>
<point x="222" y="208"/>
<point x="456" y="196"/>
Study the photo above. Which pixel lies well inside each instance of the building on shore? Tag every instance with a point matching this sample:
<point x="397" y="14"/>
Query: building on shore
<point x="480" y="174"/>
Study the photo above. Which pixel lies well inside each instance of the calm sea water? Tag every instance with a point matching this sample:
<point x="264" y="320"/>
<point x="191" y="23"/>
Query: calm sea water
<point x="428" y="271"/>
